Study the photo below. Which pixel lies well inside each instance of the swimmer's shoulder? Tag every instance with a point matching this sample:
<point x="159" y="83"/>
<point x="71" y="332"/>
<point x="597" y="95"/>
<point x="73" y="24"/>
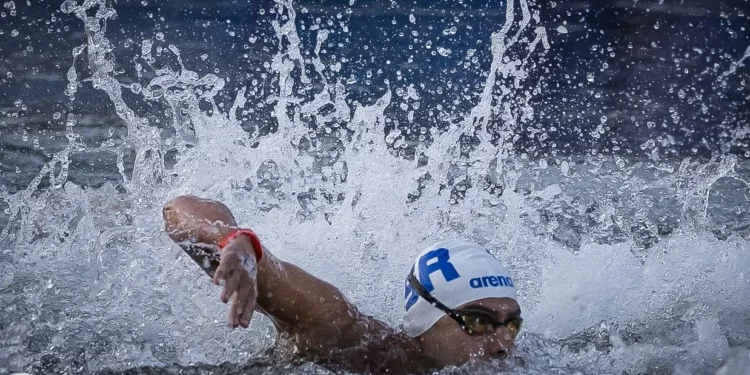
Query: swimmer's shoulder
<point x="391" y="352"/>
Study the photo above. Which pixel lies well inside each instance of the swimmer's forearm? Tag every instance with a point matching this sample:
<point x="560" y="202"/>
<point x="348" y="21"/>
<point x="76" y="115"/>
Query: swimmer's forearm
<point x="315" y="313"/>
<point x="298" y="301"/>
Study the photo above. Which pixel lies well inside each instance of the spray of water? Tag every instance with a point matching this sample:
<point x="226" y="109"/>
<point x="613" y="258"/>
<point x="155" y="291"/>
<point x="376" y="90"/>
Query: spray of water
<point x="618" y="260"/>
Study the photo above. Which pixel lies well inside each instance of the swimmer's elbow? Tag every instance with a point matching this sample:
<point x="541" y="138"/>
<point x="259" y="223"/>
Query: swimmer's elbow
<point x="351" y="325"/>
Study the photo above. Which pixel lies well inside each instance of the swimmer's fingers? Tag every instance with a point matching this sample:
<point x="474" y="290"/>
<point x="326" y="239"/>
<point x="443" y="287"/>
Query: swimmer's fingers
<point x="238" y="274"/>
<point x="232" y="285"/>
<point x="220" y="274"/>
<point x="247" y="313"/>
<point x="243" y="302"/>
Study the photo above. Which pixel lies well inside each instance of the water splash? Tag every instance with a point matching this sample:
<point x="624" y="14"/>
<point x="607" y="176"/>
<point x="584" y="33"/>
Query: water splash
<point x="614" y="255"/>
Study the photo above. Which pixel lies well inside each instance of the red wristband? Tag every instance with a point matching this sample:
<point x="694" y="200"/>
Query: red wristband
<point x="254" y="240"/>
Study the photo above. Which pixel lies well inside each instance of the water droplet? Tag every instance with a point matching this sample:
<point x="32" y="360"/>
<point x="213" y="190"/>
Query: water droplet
<point x="564" y="167"/>
<point x="160" y="36"/>
<point x="14" y="32"/>
<point x="450" y="31"/>
<point x="444" y="51"/>
<point x="590" y="77"/>
<point x="412" y="19"/>
<point x="9" y="5"/>
<point x="562" y="30"/>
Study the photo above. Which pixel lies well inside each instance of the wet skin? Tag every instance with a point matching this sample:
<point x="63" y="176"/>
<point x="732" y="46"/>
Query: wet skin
<point x="455" y="347"/>
<point x="314" y="317"/>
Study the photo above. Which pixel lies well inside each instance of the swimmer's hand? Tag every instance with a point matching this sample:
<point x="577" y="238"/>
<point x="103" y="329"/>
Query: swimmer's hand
<point x="194" y="220"/>
<point x="238" y="272"/>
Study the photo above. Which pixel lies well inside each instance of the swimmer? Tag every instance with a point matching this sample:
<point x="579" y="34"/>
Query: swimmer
<point x="460" y="302"/>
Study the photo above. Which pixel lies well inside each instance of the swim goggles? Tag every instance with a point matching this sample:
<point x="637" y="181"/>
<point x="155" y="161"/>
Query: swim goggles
<point x="473" y="321"/>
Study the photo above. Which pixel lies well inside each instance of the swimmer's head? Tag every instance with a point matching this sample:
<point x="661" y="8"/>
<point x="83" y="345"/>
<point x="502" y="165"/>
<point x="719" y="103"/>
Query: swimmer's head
<point x="461" y="303"/>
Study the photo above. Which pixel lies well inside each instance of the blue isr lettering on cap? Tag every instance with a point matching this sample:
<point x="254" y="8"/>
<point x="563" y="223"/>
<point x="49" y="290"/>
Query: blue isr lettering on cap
<point x="439" y="260"/>
<point x="442" y="263"/>
<point x="410" y="295"/>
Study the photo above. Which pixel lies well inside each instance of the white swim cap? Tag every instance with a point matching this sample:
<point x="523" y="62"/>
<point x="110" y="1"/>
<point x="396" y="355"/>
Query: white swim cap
<point x="455" y="272"/>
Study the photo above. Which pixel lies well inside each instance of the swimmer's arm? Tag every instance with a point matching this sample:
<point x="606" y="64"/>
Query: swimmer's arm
<point x="326" y="327"/>
<point x="312" y="310"/>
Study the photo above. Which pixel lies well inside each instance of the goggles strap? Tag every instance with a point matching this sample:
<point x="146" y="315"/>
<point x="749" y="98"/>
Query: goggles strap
<point x="422" y="292"/>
